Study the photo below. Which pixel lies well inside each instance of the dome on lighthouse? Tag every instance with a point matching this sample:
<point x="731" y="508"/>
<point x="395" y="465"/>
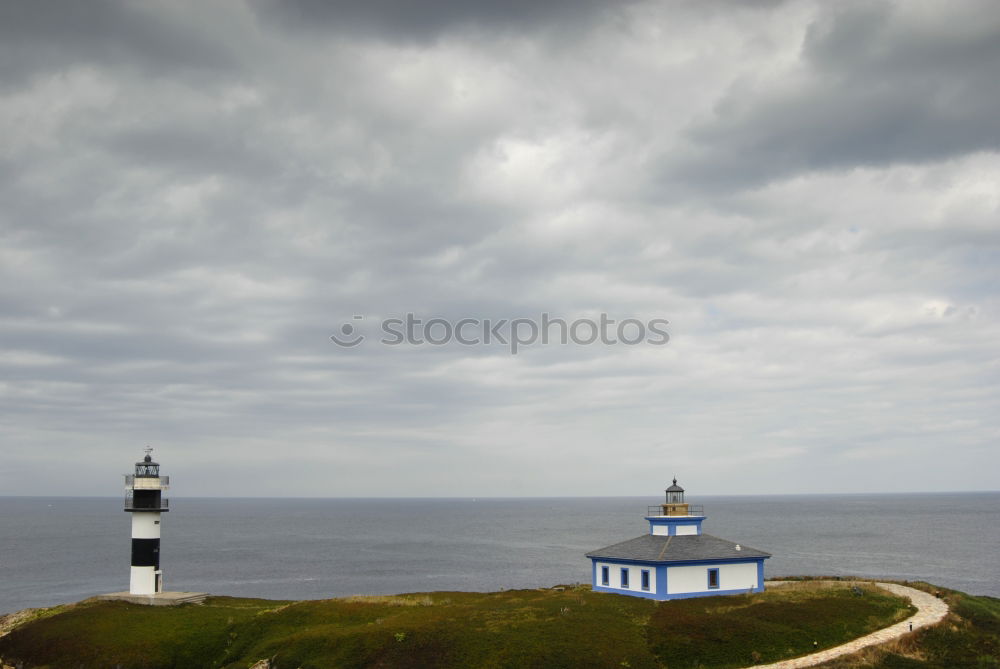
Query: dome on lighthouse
<point x="675" y="493"/>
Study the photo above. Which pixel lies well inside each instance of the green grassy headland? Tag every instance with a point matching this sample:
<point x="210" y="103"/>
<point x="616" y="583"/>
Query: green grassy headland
<point x="567" y="626"/>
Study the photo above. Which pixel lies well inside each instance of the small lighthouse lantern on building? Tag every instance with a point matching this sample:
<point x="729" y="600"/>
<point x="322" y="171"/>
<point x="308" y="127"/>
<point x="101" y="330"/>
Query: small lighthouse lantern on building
<point x="675" y="505"/>
<point x="144" y="500"/>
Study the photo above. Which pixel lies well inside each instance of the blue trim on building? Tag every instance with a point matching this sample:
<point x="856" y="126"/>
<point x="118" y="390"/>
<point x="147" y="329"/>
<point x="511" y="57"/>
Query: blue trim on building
<point x="678" y="563"/>
<point x="673" y="522"/>
<point x="662" y="586"/>
<point x="712" y="593"/>
<point x="685" y="595"/>
<point x="629" y="593"/>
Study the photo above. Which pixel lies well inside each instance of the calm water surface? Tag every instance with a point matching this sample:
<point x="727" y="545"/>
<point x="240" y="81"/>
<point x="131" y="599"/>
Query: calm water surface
<point x="54" y="550"/>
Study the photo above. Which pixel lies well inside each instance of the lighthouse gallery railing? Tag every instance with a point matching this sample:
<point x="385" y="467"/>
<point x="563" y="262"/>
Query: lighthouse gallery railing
<point x="693" y="510"/>
<point x="146" y="482"/>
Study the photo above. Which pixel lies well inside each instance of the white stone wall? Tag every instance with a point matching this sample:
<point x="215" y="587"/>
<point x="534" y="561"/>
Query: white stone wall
<point x="145" y="525"/>
<point x="142" y="581"/>
<point x="634" y="577"/>
<point x="680" y="529"/>
<point x="694" y="578"/>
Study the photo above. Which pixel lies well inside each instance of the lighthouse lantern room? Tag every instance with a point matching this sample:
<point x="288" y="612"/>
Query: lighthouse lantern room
<point x="675" y="505"/>
<point x="144" y="500"/>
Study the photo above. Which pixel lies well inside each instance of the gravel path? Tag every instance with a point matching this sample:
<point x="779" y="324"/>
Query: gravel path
<point x="930" y="610"/>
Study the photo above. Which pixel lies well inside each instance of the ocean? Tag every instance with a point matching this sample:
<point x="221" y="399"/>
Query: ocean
<point x="58" y="549"/>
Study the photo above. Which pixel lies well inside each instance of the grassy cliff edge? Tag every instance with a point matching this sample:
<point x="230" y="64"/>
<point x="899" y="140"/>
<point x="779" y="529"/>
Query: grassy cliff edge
<point x="566" y="626"/>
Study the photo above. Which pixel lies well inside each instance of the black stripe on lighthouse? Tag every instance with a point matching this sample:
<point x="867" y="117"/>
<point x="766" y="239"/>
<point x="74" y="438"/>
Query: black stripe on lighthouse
<point x="146" y="553"/>
<point x="146" y="499"/>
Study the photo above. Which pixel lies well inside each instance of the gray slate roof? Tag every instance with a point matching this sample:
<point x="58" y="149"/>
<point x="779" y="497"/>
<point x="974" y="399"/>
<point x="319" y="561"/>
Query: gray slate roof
<point x="658" y="548"/>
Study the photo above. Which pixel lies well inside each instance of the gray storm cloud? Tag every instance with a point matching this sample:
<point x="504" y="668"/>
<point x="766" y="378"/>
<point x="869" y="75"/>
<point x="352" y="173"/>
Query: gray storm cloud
<point x="195" y="197"/>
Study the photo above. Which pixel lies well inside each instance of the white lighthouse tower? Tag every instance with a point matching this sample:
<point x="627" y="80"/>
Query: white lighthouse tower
<point x="144" y="500"/>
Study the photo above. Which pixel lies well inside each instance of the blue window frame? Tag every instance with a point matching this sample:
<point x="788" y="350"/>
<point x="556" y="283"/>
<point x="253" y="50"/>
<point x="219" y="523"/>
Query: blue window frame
<point x="713" y="579"/>
<point x="624" y="577"/>
<point x="605" y="575"/>
<point x="645" y="579"/>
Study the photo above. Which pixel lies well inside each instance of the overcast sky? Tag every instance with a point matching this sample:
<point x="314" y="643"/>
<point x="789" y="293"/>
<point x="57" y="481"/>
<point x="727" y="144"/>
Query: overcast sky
<point x="196" y="196"/>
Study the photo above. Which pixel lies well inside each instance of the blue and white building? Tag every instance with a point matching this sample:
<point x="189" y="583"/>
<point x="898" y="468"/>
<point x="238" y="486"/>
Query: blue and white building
<point x="676" y="559"/>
